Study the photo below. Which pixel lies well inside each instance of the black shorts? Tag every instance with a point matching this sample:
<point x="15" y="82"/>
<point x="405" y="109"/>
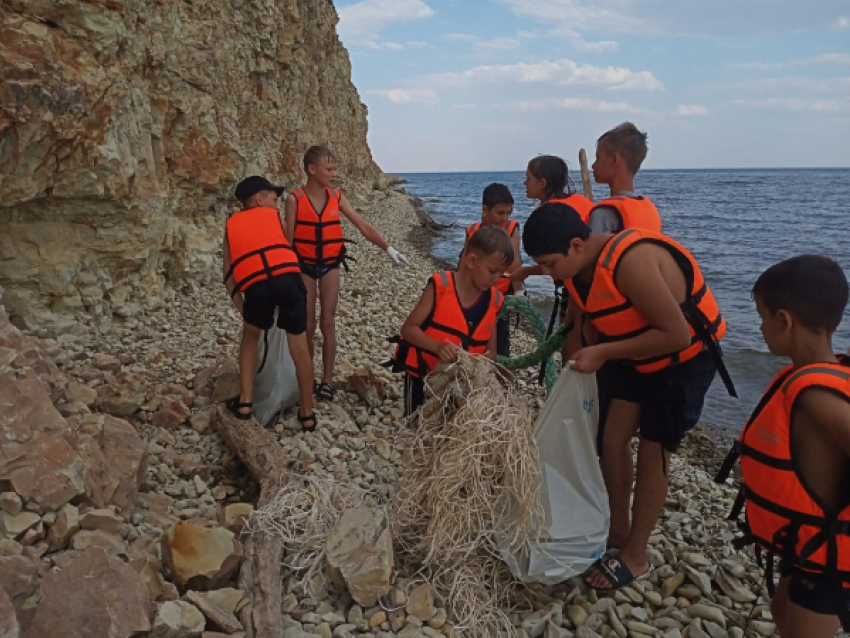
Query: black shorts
<point x="503" y="336"/>
<point x="670" y="400"/>
<point x="285" y="292"/>
<point x="317" y="272"/>
<point x="817" y="593"/>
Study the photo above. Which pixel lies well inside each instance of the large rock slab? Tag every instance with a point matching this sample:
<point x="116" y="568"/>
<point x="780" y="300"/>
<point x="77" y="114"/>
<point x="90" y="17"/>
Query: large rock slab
<point x="178" y="619"/>
<point x="8" y="619"/>
<point x="359" y="554"/>
<point x="116" y="459"/>
<point x="95" y="595"/>
<point x="201" y="557"/>
<point x="19" y="577"/>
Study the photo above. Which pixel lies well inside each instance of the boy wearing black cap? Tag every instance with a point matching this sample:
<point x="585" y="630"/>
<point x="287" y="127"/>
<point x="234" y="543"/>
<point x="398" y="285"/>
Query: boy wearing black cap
<point x="261" y="273"/>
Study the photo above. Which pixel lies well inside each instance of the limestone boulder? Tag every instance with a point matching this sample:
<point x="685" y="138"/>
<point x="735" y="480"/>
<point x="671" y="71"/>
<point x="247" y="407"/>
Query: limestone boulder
<point x="178" y="619"/>
<point x="19" y="576"/>
<point x="420" y="603"/>
<point x="95" y="595"/>
<point x="8" y="619"/>
<point x="367" y="386"/>
<point x="201" y="558"/>
<point x="171" y="415"/>
<point x="359" y="554"/>
<point x="67" y="524"/>
<point x="115" y="460"/>
<point x="37" y="455"/>
<point x="218" y="614"/>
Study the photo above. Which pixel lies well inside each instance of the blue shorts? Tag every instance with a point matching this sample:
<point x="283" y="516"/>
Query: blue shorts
<point x="317" y="272"/>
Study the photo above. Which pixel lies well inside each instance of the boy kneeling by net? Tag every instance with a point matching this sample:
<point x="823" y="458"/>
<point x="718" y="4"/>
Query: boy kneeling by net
<point x="457" y="310"/>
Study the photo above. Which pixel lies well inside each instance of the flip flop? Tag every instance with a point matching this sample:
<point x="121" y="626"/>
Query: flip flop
<point x="326" y="391"/>
<point x="233" y="406"/>
<point x="616" y="572"/>
<point x="305" y="419"/>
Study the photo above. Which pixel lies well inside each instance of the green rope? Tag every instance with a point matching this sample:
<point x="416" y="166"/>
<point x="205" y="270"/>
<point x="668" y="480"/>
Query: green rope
<point x="546" y="347"/>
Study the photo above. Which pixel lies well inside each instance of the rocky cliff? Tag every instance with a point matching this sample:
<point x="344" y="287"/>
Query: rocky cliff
<point x="124" y="125"/>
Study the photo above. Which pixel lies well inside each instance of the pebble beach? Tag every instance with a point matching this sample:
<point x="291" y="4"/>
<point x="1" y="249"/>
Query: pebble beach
<point x="701" y="586"/>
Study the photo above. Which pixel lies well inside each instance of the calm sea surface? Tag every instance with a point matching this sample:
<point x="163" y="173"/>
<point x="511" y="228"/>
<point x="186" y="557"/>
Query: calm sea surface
<point x="735" y="222"/>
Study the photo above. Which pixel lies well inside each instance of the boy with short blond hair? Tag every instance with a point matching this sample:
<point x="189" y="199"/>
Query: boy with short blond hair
<point x="456" y="310"/>
<point x="313" y="222"/>
<point x="795" y="448"/>
<point x="619" y="155"/>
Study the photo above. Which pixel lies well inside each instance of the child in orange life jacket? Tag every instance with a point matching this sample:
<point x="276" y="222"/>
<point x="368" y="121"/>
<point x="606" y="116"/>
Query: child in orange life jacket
<point x="261" y="274"/>
<point x="547" y="180"/>
<point x="795" y="449"/>
<point x="658" y="326"/>
<point x="313" y="222"/>
<point x="619" y="154"/>
<point x="496" y="208"/>
<point x="457" y="310"/>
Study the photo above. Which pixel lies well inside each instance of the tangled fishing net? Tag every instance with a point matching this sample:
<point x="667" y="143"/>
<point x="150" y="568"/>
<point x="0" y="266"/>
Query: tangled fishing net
<point x="302" y="515"/>
<point x="470" y="476"/>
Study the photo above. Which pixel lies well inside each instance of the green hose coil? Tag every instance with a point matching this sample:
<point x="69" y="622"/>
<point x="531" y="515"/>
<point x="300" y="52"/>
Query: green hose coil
<point x="546" y="346"/>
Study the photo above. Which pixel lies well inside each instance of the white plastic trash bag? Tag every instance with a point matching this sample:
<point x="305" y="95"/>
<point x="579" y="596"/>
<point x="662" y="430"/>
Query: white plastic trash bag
<point x="573" y="491"/>
<point x="275" y="385"/>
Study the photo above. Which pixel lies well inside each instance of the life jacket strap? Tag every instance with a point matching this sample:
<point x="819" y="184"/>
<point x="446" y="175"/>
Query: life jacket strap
<point x="728" y="463"/>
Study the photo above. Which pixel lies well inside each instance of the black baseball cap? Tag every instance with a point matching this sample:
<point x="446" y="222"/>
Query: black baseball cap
<point x="253" y="185"/>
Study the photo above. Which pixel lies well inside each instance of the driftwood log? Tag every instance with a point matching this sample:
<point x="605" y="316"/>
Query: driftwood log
<point x="585" y="175"/>
<point x="259" y="577"/>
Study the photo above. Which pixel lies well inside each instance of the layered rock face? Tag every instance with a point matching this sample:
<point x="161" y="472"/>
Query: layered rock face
<point x="125" y="124"/>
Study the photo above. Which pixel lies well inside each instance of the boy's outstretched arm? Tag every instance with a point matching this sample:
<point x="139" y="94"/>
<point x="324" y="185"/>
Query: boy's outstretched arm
<point x="413" y="334"/>
<point x="641" y="280"/>
<point x="524" y="272"/>
<point x="369" y="232"/>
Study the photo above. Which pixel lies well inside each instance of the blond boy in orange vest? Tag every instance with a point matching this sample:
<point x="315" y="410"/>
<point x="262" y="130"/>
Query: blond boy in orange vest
<point x="323" y="203"/>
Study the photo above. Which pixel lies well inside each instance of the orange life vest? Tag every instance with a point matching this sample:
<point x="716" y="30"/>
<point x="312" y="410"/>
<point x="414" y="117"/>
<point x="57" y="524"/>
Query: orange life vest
<point x="258" y="248"/>
<point x="447" y="323"/>
<point x="318" y="238"/>
<point x="782" y="515"/>
<point x="504" y="285"/>
<point x="581" y="204"/>
<point x="616" y="319"/>
<point x="636" y="212"/>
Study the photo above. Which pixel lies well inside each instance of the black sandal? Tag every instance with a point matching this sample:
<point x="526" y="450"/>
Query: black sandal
<point x="304" y="419"/>
<point x="233" y="406"/>
<point x="326" y="391"/>
<point x="616" y="572"/>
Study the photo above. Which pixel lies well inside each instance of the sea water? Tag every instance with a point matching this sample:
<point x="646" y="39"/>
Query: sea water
<point x="735" y="222"/>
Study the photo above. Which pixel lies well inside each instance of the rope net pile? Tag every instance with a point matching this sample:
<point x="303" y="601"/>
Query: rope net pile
<point x="470" y="475"/>
<point x="302" y="515"/>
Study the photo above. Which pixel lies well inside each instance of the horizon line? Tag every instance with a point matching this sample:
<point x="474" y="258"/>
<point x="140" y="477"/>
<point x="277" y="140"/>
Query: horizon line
<point x="643" y="170"/>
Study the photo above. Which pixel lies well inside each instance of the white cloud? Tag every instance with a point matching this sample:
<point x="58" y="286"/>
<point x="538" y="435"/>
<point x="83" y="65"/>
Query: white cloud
<point x="840" y="23"/>
<point x="824" y="59"/>
<point x="602" y="46"/>
<point x="364" y="20"/>
<point x="497" y="45"/>
<point x="687" y="110"/>
<point x="648" y="17"/>
<point x="562" y="72"/>
<point x="408" y="96"/>
<point x="794" y="104"/>
<point x="837" y="84"/>
<point x="575" y="104"/>
<point x="459" y="37"/>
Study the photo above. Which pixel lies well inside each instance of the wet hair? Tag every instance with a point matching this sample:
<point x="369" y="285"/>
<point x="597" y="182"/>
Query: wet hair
<point x="810" y="287"/>
<point x="489" y="240"/>
<point x="628" y="142"/>
<point x="496" y="194"/>
<point x="315" y="154"/>
<point x="551" y="228"/>
<point x="554" y="170"/>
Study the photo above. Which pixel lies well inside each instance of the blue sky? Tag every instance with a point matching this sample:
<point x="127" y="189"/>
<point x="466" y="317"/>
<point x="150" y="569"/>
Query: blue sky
<point x="487" y="84"/>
